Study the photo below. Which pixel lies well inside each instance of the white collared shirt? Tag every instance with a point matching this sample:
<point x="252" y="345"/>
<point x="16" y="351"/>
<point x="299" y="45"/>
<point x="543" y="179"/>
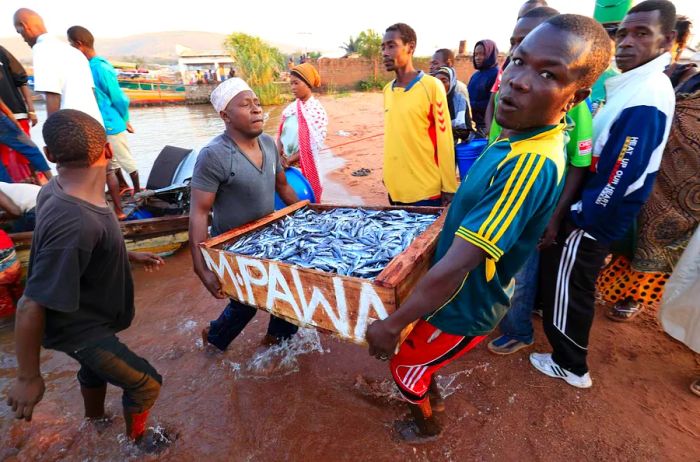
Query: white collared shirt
<point x="22" y="194"/>
<point x="60" y="68"/>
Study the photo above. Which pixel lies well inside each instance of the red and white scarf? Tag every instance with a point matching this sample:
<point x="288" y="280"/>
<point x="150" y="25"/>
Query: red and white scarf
<point x="313" y="126"/>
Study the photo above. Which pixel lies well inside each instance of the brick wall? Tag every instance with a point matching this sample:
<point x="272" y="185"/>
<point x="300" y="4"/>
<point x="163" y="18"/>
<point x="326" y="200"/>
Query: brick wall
<point x="346" y="73"/>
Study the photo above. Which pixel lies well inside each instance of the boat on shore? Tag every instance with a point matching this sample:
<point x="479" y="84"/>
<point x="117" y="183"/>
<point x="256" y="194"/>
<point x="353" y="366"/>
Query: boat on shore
<point x="158" y="218"/>
<point x="145" y="92"/>
<point x="162" y="236"/>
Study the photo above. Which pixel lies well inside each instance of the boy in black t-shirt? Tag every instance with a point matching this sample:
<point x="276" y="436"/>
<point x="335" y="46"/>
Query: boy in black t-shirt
<point x="79" y="291"/>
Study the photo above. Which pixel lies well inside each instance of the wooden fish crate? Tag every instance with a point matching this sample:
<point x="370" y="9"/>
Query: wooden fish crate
<point x="340" y="305"/>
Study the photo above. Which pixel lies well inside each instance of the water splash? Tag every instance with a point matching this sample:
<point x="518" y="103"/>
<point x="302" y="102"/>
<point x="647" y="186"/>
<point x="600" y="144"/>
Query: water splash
<point x="447" y="383"/>
<point x="187" y="326"/>
<point x="131" y="452"/>
<point x="380" y="390"/>
<point x="278" y="360"/>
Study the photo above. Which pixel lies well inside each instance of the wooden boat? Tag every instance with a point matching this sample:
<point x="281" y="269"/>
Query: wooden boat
<point x="163" y="236"/>
<point x="144" y="92"/>
<point x="341" y="305"/>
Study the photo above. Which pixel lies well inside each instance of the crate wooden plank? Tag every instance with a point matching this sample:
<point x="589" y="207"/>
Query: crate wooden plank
<point x="254" y="225"/>
<point x="423" y="210"/>
<point x="404" y="271"/>
<point x="341" y="305"/>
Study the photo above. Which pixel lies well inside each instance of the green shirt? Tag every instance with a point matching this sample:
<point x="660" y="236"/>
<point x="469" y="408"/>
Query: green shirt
<point x="579" y="129"/>
<point x="579" y="148"/>
<point x="502" y="207"/>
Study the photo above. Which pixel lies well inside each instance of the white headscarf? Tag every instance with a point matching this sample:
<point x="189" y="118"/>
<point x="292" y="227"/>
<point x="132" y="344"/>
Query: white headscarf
<point x="226" y="91"/>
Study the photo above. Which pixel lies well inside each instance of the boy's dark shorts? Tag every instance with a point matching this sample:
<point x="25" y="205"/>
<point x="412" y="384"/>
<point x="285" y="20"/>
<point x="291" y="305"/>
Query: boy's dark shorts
<point x="110" y="361"/>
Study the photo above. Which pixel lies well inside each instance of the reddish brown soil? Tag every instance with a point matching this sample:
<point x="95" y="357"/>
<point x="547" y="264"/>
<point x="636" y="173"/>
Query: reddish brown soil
<point x="360" y="115"/>
<point x="499" y="407"/>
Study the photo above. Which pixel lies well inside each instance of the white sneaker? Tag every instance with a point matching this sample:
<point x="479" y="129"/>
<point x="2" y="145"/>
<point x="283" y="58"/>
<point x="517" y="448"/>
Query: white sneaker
<point x="544" y="363"/>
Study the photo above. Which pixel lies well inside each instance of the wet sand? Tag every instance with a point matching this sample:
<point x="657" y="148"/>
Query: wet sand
<point x="355" y="135"/>
<point x="306" y="405"/>
<point x="305" y="402"/>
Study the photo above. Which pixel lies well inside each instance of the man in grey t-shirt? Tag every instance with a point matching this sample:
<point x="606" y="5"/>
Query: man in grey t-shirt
<point x="236" y="176"/>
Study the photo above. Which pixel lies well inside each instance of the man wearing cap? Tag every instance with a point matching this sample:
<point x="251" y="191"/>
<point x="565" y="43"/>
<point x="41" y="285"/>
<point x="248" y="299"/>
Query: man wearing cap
<point x="236" y="176"/>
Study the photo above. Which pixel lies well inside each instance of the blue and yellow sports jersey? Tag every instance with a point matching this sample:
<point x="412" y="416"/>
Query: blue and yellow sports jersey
<point x="501" y="207"/>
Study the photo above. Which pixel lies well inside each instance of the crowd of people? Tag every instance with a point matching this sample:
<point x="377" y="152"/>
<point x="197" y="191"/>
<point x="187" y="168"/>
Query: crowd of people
<point x="571" y="174"/>
<point x="525" y="248"/>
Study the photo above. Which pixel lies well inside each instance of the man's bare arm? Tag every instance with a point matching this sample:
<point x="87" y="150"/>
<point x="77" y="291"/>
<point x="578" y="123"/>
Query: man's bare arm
<point x="28" y="389"/>
<point x="53" y="103"/>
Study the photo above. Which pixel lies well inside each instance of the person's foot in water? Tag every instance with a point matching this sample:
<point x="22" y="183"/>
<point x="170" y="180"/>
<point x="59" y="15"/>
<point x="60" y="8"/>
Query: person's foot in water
<point x="101" y="424"/>
<point x="423" y="427"/>
<point x="270" y="340"/>
<point x="154" y="441"/>
<point x="209" y="347"/>
<point x="436" y="400"/>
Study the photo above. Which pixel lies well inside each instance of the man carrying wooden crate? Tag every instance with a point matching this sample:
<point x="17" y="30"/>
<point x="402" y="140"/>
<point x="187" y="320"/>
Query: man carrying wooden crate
<point x="236" y="176"/>
<point x="499" y="215"/>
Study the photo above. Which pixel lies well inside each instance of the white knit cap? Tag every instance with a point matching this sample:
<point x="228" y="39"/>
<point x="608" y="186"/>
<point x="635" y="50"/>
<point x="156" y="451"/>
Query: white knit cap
<point x="226" y="91"/>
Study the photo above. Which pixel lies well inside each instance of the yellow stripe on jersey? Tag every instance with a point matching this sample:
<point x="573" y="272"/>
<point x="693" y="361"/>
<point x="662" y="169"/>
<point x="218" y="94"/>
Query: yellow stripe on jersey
<point x="506" y="189"/>
<point x="478" y="240"/>
<point x="514" y="193"/>
<point x="531" y="180"/>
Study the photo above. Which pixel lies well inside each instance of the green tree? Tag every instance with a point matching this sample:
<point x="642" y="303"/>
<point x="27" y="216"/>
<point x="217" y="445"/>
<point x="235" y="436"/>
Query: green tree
<point x="369" y="45"/>
<point x="258" y="63"/>
<point x="350" y="46"/>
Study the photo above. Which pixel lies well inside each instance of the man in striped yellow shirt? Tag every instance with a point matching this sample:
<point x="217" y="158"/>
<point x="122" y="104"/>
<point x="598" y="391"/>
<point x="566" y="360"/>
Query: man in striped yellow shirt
<point x="496" y="217"/>
<point x="419" y="156"/>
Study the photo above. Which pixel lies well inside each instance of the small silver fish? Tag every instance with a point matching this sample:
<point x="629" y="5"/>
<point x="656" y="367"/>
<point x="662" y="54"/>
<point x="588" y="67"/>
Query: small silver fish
<point x="350" y="242"/>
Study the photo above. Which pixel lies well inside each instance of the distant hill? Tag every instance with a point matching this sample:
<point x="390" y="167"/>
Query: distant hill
<point x="160" y="45"/>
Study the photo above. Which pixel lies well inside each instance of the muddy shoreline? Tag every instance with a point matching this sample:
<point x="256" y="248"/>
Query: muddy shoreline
<point x="310" y="401"/>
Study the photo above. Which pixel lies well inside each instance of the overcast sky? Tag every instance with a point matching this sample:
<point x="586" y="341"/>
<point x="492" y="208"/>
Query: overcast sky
<point x="312" y="24"/>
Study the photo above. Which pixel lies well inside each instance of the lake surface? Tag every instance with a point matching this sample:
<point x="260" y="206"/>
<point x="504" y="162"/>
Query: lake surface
<point x="191" y="127"/>
<point x="155" y="127"/>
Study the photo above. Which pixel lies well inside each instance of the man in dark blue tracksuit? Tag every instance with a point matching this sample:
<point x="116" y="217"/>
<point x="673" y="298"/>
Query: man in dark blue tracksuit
<point x="630" y="134"/>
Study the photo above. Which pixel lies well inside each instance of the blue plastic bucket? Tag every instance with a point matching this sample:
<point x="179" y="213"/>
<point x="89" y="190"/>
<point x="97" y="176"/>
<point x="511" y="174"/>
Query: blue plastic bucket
<point x="467" y="153"/>
<point x="299" y="184"/>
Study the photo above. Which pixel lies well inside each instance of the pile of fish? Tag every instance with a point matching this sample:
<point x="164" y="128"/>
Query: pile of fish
<point x="349" y="242"/>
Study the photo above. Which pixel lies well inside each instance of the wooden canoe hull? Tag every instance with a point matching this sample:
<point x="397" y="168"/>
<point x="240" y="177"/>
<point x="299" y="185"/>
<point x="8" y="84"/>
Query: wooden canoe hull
<point x="162" y="236"/>
<point x="340" y="305"/>
<point x="151" y="92"/>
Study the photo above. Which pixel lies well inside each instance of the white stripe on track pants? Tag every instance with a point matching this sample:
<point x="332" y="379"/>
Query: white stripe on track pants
<point x="568" y="271"/>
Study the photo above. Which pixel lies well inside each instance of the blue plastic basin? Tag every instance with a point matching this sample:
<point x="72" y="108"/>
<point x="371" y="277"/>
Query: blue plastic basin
<point x="467" y="153"/>
<point x="299" y="184"/>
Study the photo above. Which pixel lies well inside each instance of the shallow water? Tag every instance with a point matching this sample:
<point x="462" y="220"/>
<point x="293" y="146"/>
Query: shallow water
<point x="155" y="127"/>
<point x="191" y="127"/>
<point x="295" y="401"/>
<point x="244" y="404"/>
